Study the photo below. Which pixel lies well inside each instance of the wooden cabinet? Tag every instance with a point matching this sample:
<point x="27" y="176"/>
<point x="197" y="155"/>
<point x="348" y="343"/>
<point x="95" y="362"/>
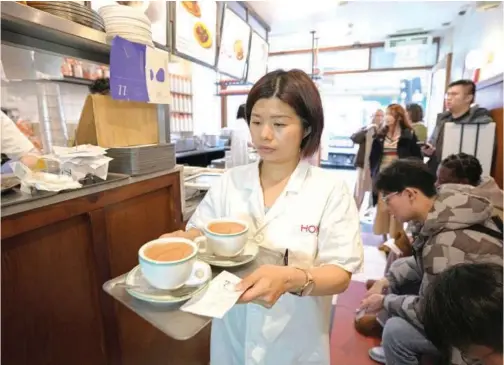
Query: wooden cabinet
<point x="55" y="260"/>
<point x="489" y="95"/>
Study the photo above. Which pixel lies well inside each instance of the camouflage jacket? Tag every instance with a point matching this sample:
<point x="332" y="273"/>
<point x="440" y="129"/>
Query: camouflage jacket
<point x="444" y="240"/>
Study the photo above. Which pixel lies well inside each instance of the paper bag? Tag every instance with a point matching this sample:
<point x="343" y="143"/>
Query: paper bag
<point x="106" y="122"/>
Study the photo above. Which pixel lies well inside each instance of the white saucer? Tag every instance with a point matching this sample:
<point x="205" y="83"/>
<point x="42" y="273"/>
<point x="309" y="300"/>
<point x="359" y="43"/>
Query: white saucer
<point x="249" y="254"/>
<point x="136" y="279"/>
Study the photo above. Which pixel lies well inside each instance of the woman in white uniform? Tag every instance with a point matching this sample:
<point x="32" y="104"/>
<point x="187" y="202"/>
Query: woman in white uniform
<point x="284" y="315"/>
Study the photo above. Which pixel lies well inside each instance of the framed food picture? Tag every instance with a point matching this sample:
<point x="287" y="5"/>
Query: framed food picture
<point x="258" y="58"/>
<point x="234" y="46"/>
<point x="196" y="31"/>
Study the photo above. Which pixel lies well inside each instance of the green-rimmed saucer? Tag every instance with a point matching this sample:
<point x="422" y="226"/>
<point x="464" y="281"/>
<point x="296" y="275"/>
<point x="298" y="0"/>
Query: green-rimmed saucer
<point x="138" y="287"/>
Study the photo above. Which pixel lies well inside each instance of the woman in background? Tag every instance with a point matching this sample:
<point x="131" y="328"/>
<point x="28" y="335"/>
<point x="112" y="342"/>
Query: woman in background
<point x="415" y="113"/>
<point x="396" y="139"/>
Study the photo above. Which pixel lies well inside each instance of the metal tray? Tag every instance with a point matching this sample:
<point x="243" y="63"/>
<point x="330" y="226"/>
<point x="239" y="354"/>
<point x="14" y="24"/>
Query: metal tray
<point x="168" y="318"/>
<point x="202" y="181"/>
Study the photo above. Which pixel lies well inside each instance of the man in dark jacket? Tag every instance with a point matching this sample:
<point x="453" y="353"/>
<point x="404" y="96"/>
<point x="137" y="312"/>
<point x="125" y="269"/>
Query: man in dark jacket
<point x="459" y="97"/>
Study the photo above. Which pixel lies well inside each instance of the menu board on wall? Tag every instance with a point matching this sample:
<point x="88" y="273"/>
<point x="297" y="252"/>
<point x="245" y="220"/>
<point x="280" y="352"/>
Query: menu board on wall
<point x="195" y="30"/>
<point x="234" y="45"/>
<point x="258" y="58"/>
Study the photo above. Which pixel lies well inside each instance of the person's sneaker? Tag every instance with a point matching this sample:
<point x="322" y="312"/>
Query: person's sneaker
<point x="377" y="354"/>
<point x="368" y="326"/>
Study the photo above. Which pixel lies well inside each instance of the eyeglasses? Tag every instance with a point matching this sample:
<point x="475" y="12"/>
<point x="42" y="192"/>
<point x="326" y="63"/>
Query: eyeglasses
<point x="472" y="361"/>
<point x="387" y="197"/>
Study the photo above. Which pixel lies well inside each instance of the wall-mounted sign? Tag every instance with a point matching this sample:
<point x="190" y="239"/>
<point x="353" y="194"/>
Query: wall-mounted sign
<point x="234" y="45"/>
<point x="138" y="72"/>
<point x="196" y="30"/>
<point x="258" y="58"/>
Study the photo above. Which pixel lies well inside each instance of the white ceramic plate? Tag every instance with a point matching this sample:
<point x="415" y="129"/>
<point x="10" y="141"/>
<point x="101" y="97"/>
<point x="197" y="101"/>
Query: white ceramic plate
<point x="249" y="254"/>
<point x="135" y="278"/>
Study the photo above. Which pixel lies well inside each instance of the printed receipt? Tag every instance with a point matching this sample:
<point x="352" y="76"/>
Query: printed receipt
<point x="218" y="299"/>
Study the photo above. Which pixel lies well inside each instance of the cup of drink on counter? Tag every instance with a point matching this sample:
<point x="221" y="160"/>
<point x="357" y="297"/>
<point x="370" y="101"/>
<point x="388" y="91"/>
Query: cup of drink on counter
<point x="225" y="237"/>
<point x="170" y="263"/>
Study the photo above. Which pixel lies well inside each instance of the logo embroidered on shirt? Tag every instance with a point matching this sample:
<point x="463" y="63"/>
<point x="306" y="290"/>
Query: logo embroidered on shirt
<point x="309" y="228"/>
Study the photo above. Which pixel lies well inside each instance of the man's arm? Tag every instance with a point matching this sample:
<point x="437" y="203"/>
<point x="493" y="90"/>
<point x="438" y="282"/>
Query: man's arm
<point x="437" y="259"/>
<point x="359" y="136"/>
<point x="402" y="270"/>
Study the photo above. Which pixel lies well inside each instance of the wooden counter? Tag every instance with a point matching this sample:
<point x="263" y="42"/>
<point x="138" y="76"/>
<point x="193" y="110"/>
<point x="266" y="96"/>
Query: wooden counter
<point x="55" y="258"/>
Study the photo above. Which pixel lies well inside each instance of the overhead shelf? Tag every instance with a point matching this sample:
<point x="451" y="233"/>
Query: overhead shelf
<point x="33" y="28"/>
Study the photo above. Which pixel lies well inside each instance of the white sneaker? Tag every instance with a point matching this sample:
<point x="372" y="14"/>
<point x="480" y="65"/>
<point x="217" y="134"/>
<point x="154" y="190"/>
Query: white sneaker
<point x="377" y="354"/>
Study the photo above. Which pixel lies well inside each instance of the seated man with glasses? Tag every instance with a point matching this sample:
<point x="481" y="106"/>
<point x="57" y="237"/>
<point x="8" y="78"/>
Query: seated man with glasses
<point x="463" y="309"/>
<point x="456" y="228"/>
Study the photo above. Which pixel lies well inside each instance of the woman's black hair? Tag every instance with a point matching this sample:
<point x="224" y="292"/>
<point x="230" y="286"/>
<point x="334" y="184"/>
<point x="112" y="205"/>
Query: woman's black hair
<point x="464" y="166"/>
<point x="240" y="114"/>
<point x="415" y="112"/>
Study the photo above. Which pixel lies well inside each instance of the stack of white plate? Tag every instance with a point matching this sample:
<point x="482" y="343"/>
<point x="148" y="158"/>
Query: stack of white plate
<point x="126" y="22"/>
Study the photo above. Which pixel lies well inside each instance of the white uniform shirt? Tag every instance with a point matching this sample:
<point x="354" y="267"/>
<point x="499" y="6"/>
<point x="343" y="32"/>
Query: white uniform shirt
<point x="317" y="220"/>
<point x="14" y="143"/>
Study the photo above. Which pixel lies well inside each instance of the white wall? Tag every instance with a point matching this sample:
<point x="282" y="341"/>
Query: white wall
<point x="475" y="30"/>
<point x="206" y="105"/>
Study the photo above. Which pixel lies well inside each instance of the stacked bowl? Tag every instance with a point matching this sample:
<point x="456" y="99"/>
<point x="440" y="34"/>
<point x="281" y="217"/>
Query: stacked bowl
<point x="127" y="22"/>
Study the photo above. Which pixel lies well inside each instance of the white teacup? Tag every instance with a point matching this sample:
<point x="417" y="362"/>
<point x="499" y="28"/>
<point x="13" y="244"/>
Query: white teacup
<point x="172" y="274"/>
<point x="222" y="243"/>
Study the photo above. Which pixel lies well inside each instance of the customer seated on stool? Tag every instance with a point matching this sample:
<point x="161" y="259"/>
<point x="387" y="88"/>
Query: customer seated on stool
<point x="463" y="172"/>
<point x="457" y="228"/>
<point x="463" y="309"/>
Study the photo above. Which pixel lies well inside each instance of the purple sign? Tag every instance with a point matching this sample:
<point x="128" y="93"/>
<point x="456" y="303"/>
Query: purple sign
<point x="127" y="71"/>
<point x="138" y="72"/>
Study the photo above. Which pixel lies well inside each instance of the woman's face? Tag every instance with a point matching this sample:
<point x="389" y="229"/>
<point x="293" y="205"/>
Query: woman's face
<point x="276" y="130"/>
<point x="389" y="119"/>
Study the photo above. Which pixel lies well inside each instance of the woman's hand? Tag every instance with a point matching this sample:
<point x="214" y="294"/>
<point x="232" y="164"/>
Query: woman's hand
<point x="373" y="303"/>
<point x="189" y="235"/>
<point x="265" y="285"/>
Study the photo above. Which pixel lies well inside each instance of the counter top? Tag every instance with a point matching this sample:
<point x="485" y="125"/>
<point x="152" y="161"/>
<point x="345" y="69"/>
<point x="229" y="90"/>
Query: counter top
<point x="53" y="198"/>
<point x="200" y="152"/>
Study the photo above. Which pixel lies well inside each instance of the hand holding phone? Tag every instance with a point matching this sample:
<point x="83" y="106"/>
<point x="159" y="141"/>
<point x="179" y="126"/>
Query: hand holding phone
<point x="428" y="149"/>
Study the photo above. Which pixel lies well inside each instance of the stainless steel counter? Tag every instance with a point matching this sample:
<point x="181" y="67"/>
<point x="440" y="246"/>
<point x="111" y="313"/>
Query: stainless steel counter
<point x="53" y="198"/>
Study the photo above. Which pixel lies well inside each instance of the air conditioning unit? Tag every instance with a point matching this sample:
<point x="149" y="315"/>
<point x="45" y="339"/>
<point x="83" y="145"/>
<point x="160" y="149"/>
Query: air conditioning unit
<point x="419" y="40"/>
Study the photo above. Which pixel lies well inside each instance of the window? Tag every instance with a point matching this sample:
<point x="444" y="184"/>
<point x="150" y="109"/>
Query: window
<point x="400" y="57"/>
<point x="349" y="60"/>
